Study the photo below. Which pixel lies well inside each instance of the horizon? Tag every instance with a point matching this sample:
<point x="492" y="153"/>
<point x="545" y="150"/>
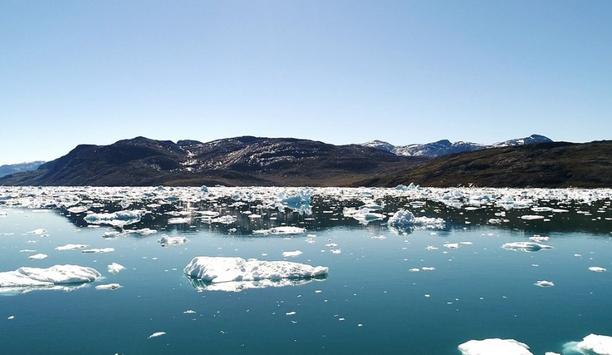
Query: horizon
<point x="401" y="72"/>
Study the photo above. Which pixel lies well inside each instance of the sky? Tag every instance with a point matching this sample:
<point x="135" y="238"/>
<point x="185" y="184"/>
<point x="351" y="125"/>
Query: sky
<point x="94" y="72"/>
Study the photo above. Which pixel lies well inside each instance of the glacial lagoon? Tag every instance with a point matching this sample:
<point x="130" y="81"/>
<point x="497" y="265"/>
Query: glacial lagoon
<point x="338" y="270"/>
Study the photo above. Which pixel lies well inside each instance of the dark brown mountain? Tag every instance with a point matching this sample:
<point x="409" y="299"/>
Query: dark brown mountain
<point x="234" y="161"/>
<point x="557" y="164"/>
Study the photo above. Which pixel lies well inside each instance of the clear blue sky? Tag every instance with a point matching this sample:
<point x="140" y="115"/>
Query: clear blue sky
<point x="87" y="71"/>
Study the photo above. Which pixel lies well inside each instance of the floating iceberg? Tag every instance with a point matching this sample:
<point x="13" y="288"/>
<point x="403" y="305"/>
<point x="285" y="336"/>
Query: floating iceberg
<point x="544" y="283"/>
<point x="115" y="268"/>
<point x="39" y="256"/>
<point x="115" y="219"/>
<point x="108" y="287"/>
<point x="235" y="274"/>
<point x="592" y="344"/>
<point x="494" y="347"/>
<point x="525" y="246"/>
<point x="27" y="279"/>
<point x="299" y="201"/>
<point x="403" y="220"/>
<point x="597" y="269"/>
<point x="291" y="254"/>
<point x="98" y="250"/>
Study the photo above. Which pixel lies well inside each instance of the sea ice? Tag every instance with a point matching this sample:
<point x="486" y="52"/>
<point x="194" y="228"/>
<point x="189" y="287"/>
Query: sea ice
<point x="108" y="287"/>
<point x="597" y="269"/>
<point x="404" y="220"/>
<point x="494" y="347"/>
<point x="156" y="334"/>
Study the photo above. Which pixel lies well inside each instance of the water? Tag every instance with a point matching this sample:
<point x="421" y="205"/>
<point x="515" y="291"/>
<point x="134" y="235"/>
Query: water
<point x="369" y="303"/>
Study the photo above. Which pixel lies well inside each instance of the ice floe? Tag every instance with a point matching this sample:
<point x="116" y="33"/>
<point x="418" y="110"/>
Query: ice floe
<point x="39" y="256"/>
<point x="71" y="247"/>
<point x="98" y="250"/>
<point x="544" y="283"/>
<point x="597" y="269"/>
<point x="290" y="254"/>
<point x="27" y="279"/>
<point x="108" y="287"/>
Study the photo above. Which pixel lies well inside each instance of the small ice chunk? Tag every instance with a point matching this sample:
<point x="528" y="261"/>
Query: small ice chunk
<point x="38" y="256"/>
<point x="115" y="268"/>
<point x="108" y="287"/>
<point x="597" y="269"/>
<point x="71" y="247"/>
<point x="98" y="250"/>
<point x="38" y="231"/>
<point x="179" y="220"/>
<point x="156" y="334"/>
<point x="290" y="254"/>
<point x="494" y="346"/>
<point x="189" y="311"/>
<point x="531" y="217"/>
<point x="171" y="241"/>
<point x="544" y="283"/>
<point x="282" y="230"/>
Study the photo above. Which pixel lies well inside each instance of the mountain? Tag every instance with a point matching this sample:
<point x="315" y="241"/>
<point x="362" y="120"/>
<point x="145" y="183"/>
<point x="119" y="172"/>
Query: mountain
<point x="9" y="169"/>
<point x="557" y="164"/>
<point x="233" y="161"/>
<point x="446" y="147"/>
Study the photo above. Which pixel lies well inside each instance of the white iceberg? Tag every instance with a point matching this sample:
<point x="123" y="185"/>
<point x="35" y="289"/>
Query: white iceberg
<point x="544" y="283"/>
<point x="214" y="272"/>
<point x="494" y="346"/>
<point x="404" y="220"/>
<point x="597" y="269"/>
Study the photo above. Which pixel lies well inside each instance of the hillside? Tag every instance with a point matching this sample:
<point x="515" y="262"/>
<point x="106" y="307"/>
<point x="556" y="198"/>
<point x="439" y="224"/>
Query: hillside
<point x="538" y="165"/>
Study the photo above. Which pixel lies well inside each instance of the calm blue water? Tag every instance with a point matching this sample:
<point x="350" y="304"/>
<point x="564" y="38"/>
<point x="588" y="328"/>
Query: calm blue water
<point x="370" y="302"/>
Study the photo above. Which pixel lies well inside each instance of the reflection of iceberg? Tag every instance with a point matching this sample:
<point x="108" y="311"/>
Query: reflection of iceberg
<point x="58" y="277"/>
<point x="237" y="286"/>
<point x="115" y="219"/>
<point x="236" y="274"/>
